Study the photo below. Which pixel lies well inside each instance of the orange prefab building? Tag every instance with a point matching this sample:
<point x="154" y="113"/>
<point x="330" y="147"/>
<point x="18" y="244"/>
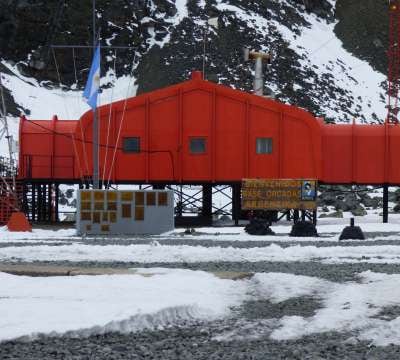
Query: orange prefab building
<point x="201" y="132"/>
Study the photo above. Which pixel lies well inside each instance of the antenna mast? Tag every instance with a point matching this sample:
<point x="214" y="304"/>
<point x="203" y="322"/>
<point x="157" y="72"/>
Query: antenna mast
<point x="393" y="62"/>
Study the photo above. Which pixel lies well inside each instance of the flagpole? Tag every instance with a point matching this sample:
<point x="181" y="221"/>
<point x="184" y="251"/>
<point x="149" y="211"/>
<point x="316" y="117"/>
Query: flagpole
<point x="95" y="120"/>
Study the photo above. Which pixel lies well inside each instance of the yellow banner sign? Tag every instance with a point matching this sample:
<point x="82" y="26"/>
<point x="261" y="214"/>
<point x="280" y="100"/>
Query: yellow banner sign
<point x="259" y="194"/>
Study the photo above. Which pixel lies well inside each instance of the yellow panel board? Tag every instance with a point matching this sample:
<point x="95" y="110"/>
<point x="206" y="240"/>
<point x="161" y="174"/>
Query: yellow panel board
<point x="162" y="199"/>
<point x="139" y="198"/>
<point x="151" y="199"/>
<point x="99" y="195"/>
<point x="111" y="196"/>
<point x="86" y="195"/>
<point x="271" y="194"/>
<point x="126" y="211"/>
<point x="126" y="196"/>
<point x="105" y="228"/>
<point x="139" y="213"/>
<point x="86" y="216"/>
<point x="98" y="205"/>
<point x="112" y="206"/>
<point x="86" y="205"/>
<point x="113" y="217"/>
<point x="96" y="217"/>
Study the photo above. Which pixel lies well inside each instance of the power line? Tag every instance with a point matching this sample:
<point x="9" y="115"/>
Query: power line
<point x="322" y="45"/>
<point x="91" y="47"/>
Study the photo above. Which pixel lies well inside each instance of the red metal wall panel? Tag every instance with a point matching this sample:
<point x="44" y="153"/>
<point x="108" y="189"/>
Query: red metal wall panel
<point x="196" y="113"/>
<point x="369" y="143"/>
<point x="393" y="150"/>
<point x="230" y="138"/>
<point x="163" y="138"/>
<point x="337" y="150"/>
<point x="300" y="149"/>
<point x="263" y="123"/>
<point x="46" y="149"/>
<point x="130" y="165"/>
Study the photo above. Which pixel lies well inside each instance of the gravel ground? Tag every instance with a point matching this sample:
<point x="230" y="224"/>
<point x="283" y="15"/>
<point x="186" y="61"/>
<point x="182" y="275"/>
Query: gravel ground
<point x="332" y="272"/>
<point x="193" y="240"/>
<point x="243" y="336"/>
<point x="200" y="341"/>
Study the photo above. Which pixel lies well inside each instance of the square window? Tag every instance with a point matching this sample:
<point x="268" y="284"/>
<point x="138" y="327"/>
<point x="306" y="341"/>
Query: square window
<point x="131" y="145"/>
<point x="197" y="145"/>
<point x="264" y="146"/>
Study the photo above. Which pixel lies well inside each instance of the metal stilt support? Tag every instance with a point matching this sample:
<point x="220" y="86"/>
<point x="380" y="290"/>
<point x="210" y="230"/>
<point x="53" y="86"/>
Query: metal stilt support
<point x="206" y="210"/>
<point x="385" y="203"/>
<point x="236" y="202"/>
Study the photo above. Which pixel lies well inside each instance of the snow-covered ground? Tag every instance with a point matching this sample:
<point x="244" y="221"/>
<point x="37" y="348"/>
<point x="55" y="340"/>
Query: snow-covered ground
<point x="99" y="304"/>
<point x="156" y="253"/>
<point x="157" y="298"/>
<point x="356" y="307"/>
<point x="158" y="250"/>
<point x="85" y="305"/>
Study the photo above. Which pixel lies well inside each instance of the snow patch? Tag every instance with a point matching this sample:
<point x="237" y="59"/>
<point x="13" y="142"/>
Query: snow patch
<point x="36" y="234"/>
<point x="351" y="307"/>
<point x="278" y="287"/>
<point x="66" y="104"/>
<point x="97" y="304"/>
<point x="377" y="254"/>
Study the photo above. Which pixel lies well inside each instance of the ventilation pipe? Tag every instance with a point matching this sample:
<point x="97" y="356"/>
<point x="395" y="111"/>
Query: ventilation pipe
<point x="259" y="57"/>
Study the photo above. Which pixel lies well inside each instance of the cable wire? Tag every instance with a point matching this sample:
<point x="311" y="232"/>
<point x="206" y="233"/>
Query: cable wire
<point x="109" y="117"/>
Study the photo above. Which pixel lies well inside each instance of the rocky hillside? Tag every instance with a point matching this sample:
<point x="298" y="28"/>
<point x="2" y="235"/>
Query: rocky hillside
<point x="316" y="45"/>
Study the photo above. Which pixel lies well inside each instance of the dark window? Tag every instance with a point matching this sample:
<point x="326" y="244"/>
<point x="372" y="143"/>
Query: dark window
<point x="197" y="145"/>
<point x="131" y="145"/>
<point x="264" y="146"/>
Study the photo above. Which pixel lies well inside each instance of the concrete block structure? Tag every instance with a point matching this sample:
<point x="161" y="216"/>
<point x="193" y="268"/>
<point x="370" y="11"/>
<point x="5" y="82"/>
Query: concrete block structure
<point x="122" y="212"/>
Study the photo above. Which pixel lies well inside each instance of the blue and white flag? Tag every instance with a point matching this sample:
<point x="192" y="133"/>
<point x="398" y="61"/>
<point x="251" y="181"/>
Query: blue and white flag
<point x="93" y="84"/>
